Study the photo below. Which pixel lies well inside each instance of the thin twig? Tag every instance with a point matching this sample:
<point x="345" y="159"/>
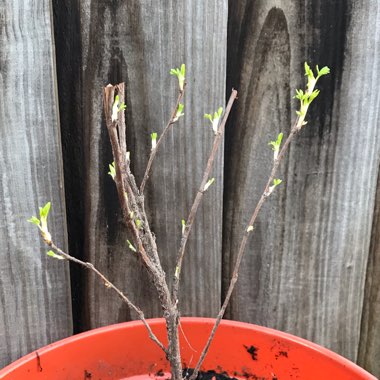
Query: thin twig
<point x="110" y="285"/>
<point x="161" y="138"/>
<point x="185" y="337"/>
<point x="198" y="197"/>
<point x="296" y="127"/>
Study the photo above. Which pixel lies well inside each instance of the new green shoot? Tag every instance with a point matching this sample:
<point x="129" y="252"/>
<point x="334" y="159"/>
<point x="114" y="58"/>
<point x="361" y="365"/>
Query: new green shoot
<point x="131" y="247"/>
<point x="154" y="140"/>
<point x="180" y="74"/>
<point x="112" y="171"/>
<point x="54" y="255"/>
<point x="138" y="223"/>
<point x="179" y="112"/>
<point x="306" y="97"/>
<point x="41" y="223"/>
<point x="214" y="119"/>
<point x="209" y="183"/>
<point x="117" y="107"/>
<point x="276" y="182"/>
<point x="276" y="146"/>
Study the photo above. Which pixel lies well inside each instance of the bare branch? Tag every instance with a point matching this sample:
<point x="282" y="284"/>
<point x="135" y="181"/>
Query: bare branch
<point x="110" y="285"/>
<point x="296" y="127"/>
<point x="161" y="138"/>
<point x="126" y="193"/>
<point x="132" y="205"/>
<point x="198" y="197"/>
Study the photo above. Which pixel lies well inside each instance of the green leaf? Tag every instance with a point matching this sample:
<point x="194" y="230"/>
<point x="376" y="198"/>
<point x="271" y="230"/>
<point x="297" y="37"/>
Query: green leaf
<point x="276" y="144"/>
<point x="115" y="108"/>
<point x="323" y="71"/>
<point x="138" y="223"/>
<point x="154" y="140"/>
<point x="180" y="108"/>
<point x="214" y="118"/>
<point x="313" y="95"/>
<point x="183" y="225"/>
<point x="299" y="95"/>
<point x="112" y="171"/>
<point x="308" y="72"/>
<point x="44" y="211"/>
<point x="54" y="255"/>
<point x="34" y="220"/>
<point x="179" y="112"/>
<point x="276" y="182"/>
<point x="209" y="183"/>
<point x="208" y="116"/>
<point x="279" y="139"/>
<point x="131" y="247"/>
<point x="180" y="74"/>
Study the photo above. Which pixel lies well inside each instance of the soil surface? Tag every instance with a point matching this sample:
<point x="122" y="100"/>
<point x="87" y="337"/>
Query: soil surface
<point x="209" y="375"/>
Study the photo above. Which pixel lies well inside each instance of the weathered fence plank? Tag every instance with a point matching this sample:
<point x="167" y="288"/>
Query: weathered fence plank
<point x="307" y="260"/>
<point x="306" y="263"/>
<point x="35" y="305"/>
<point x="369" y="348"/>
<point x="139" y="43"/>
<point x="367" y="38"/>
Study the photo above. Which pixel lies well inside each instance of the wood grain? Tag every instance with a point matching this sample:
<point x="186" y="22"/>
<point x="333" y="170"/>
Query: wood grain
<point x="305" y="267"/>
<point x="368" y="39"/>
<point x="306" y="270"/>
<point x="369" y="348"/>
<point x="139" y="43"/>
<point x="35" y="305"/>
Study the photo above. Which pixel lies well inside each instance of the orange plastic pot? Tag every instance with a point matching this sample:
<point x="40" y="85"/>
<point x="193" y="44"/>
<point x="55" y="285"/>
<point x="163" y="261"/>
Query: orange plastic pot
<point x="240" y="349"/>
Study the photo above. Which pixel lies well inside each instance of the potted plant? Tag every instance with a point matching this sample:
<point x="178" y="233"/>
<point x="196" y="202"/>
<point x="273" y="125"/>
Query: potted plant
<point x="178" y="347"/>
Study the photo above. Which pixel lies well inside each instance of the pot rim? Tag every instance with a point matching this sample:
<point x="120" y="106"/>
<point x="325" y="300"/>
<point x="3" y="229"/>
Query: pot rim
<point x="188" y="320"/>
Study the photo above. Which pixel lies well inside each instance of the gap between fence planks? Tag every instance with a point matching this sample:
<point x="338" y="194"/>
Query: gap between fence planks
<point x="139" y="44"/>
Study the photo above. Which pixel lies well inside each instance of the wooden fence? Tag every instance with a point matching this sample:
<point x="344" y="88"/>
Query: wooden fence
<point x="313" y="265"/>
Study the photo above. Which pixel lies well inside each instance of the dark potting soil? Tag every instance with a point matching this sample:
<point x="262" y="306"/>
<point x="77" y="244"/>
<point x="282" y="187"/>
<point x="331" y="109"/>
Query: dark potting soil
<point x="202" y="375"/>
<point x="209" y="375"/>
<point x="213" y="375"/>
